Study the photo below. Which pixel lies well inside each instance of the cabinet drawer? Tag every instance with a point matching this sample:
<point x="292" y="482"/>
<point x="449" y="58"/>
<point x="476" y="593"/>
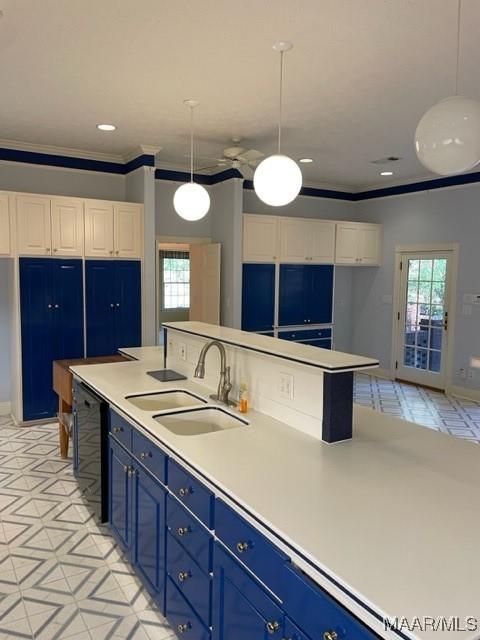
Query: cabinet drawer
<point x="153" y="458"/>
<point x="292" y="632"/>
<point x="195" y="585"/>
<point x="181" y="616"/>
<point x="121" y="429"/>
<point x="323" y="344"/>
<point x="250" y="546"/>
<point x="191" y="492"/>
<point x="316" y="612"/>
<point x="190" y="534"/>
<point x="309" y="334"/>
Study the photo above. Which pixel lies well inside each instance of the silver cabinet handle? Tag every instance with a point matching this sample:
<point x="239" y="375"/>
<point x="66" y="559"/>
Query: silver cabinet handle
<point x="242" y="547"/>
<point x="273" y="626"/>
<point x="117" y="429"/>
<point x="49" y="306"/>
<point x="125" y="468"/>
<point x="145" y="454"/>
<point x="111" y="252"/>
<point x="185" y="491"/>
<point x="55" y="250"/>
<point x="182" y="531"/>
<point x="330" y="635"/>
<point x="183" y="575"/>
<point x="56" y="306"/>
<point x="111" y="305"/>
<point x="117" y="253"/>
<point x="132" y="472"/>
<point x="117" y="304"/>
<point x="183" y="628"/>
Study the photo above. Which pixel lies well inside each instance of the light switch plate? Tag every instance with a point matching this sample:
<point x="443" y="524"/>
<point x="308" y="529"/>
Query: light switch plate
<point x="182" y="350"/>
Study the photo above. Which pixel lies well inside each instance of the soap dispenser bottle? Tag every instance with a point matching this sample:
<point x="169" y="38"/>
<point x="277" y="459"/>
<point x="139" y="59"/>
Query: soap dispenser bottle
<point x="243" y="400"/>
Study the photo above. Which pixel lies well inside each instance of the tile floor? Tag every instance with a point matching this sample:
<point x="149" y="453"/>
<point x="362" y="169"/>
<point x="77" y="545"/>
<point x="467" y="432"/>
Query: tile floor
<point x="61" y="574"/>
<point x="455" y="416"/>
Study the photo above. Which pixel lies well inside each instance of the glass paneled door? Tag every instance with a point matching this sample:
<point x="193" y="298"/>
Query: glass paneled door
<point x="423" y="319"/>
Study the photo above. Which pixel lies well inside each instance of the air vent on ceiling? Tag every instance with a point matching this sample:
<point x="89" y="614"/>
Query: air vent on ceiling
<point x="386" y="160"/>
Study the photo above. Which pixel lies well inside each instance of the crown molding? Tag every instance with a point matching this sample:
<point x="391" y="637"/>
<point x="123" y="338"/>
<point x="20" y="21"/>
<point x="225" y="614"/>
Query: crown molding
<point x="60" y="151"/>
<point x="141" y="150"/>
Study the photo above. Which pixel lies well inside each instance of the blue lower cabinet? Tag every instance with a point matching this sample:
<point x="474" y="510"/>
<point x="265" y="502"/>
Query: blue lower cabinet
<point x="292" y="632"/>
<point x="189" y="579"/>
<point x="148" y="523"/>
<point x="182" y="617"/>
<point x="258" y="297"/>
<point x="192" y="493"/>
<point x="323" y="344"/>
<point x="241" y="607"/>
<point x="317" y="613"/>
<point x="119" y="502"/>
<point x="190" y="534"/>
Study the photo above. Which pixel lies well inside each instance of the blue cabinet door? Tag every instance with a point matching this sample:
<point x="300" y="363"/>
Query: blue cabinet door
<point x="291" y="295"/>
<point x="119" y="502"/>
<point x="38" y="338"/>
<point x="149" y="532"/>
<point x="128" y="304"/>
<point x="100" y="309"/>
<point x="258" y="297"/>
<point x="318" y="289"/>
<point x="241" y="608"/>
<point x="293" y="633"/>
<point x="68" y="308"/>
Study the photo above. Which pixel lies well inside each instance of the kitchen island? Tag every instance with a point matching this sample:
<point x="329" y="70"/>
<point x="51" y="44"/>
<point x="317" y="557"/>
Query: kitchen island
<point x="384" y="523"/>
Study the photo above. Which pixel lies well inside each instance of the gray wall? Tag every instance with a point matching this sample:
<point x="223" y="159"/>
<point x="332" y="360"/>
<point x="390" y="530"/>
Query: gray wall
<point x="62" y="182"/>
<point x="6" y="267"/>
<point x="227" y="229"/>
<point x="440" y="216"/>
<point x="302" y="207"/>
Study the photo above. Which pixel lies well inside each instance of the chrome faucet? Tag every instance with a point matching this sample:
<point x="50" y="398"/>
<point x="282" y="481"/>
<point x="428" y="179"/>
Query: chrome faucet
<point x="224" y="384"/>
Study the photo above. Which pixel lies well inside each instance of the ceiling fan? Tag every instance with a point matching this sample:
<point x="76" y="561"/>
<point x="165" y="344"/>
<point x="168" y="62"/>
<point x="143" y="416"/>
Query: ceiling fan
<point x="238" y="157"/>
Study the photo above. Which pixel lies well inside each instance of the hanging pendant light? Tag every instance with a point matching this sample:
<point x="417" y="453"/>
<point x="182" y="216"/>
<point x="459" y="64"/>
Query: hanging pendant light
<point x="447" y="139"/>
<point x="278" y="179"/>
<point x="191" y="201"/>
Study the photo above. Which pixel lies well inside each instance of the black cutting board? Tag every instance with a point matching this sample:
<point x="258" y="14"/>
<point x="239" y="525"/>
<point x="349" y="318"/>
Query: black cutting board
<point x="166" y="375"/>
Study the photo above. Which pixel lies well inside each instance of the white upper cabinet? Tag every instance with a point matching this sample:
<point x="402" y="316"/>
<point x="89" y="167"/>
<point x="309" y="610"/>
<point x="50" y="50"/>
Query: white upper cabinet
<point x="128" y="230"/>
<point x="34" y="234"/>
<point x="67" y="227"/>
<point x="307" y="241"/>
<point x="98" y="229"/>
<point x="5" y="232"/>
<point x="358" y="243"/>
<point x="260" y="238"/>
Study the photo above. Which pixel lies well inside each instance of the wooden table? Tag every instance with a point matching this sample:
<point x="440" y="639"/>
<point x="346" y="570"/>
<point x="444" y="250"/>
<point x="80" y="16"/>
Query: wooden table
<point x="62" y="385"/>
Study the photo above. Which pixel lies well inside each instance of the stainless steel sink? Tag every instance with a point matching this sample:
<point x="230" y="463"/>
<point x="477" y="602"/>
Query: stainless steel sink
<point x="196" y="422"/>
<point x="165" y="400"/>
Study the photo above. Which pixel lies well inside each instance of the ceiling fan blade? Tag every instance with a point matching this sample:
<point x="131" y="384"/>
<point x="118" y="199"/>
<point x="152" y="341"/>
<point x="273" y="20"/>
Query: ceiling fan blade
<point x="247" y="171"/>
<point x="212" y="166"/>
<point x="251" y="155"/>
<point x="233" y="152"/>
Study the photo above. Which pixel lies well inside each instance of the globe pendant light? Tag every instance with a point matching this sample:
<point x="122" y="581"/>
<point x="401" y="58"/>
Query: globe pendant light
<point x="278" y="179"/>
<point x="191" y="201"/>
<point x="447" y="139"/>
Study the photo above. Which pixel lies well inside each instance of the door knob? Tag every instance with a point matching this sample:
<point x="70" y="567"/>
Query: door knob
<point x="242" y="547"/>
<point x="183" y="575"/>
<point x="182" y="531"/>
<point x="56" y="306"/>
<point x="330" y="635"/>
<point x="183" y="628"/>
<point x="273" y="627"/>
<point x="185" y="491"/>
<point x="49" y="306"/>
<point x="111" y="305"/>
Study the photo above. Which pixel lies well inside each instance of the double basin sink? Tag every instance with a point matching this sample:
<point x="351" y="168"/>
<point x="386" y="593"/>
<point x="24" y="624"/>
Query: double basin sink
<point x="184" y="413"/>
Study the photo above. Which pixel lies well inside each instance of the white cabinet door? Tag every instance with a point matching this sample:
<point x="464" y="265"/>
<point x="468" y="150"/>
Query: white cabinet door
<point x="128" y="230"/>
<point x="295" y="241"/>
<point x="369" y="246"/>
<point x="260" y="238"/>
<point x="34" y="235"/>
<point x="5" y="247"/>
<point x="321" y="238"/>
<point x="346" y="246"/>
<point x="67" y="227"/>
<point x="98" y="229"/>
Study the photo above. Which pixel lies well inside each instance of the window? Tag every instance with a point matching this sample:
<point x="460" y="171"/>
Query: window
<point x="175" y="279"/>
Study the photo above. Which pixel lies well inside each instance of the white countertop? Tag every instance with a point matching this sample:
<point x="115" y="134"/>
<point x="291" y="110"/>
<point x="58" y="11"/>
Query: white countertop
<point x="392" y="515"/>
<point x="331" y="361"/>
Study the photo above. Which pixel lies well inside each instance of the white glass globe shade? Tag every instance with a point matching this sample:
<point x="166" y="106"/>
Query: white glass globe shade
<point x="277" y="180"/>
<point x="191" y="201"/>
<point x="447" y="139"/>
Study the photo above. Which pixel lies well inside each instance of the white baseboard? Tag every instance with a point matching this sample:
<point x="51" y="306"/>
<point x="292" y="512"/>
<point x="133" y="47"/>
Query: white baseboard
<point x="5" y="408"/>
<point x="463" y="392"/>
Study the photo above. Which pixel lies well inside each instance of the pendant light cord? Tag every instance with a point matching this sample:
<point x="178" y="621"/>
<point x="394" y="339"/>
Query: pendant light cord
<point x="459" y="20"/>
<point x="191" y="144"/>
<point x="280" y="96"/>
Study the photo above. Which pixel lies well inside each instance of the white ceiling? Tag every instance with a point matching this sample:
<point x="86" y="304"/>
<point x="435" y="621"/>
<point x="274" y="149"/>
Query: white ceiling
<point x="361" y="74"/>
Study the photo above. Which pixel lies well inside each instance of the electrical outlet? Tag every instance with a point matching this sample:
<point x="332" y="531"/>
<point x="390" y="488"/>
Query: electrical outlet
<point x="285" y="386"/>
<point x="463" y="374"/>
<point x="470" y="374"/>
<point x="182" y="350"/>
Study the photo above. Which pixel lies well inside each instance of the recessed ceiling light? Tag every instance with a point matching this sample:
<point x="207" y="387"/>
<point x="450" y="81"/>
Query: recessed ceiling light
<point x="305" y="160"/>
<point x="106" y="127"/>
<point x="386" y="173"/>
